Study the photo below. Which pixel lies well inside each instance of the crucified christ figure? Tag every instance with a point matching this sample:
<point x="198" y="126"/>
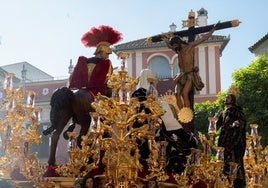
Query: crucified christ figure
<point x="188" y="76"/>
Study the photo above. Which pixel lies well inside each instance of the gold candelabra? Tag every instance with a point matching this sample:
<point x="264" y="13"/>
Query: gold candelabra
<point x="19" y="131"/>
<point x="202" y="166"/>
<point x="255" y="159"/>
<point x="111" y="141"/>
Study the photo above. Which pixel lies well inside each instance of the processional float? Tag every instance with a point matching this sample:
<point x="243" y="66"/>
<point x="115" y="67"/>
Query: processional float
<point x="110" y="144"/>
<point x="115" y="117"/>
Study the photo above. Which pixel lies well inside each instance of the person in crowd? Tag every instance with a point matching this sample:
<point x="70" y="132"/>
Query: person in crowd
<point x="152" y="184"/>
<point x="88" y="181"/>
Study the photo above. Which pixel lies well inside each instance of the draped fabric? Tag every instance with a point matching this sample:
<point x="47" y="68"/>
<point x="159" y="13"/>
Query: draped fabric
<point x="96" y="82"/>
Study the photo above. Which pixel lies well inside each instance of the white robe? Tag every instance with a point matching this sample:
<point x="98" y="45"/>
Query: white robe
<point x="168" y="118"/>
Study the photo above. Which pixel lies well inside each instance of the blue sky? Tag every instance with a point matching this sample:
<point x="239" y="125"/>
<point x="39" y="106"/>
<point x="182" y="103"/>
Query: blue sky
<point x="46" y="33"/>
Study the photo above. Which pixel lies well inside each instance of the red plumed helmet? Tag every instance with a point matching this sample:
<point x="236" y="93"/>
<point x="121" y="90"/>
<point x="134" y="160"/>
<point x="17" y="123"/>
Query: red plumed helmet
<point x="101" y="34"/>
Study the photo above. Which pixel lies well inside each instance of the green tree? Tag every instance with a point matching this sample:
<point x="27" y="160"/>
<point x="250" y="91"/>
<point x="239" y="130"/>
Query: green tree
<point x="252" y="83"/>
<point x="202" y="112"/>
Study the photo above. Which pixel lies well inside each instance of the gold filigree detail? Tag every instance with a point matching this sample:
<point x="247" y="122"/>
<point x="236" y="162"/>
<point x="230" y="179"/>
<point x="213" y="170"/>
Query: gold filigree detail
<point x="185" y="115"/>
<point x="234" y="90"/>
<point x="170" y="98"/>
<point x="149" y="40"/>
<point x="167" y="36"/>
<point x="235" y="23"/>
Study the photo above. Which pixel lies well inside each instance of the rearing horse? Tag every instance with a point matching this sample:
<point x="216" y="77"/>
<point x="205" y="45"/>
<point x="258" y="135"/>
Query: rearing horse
<point x="66" y="104"/>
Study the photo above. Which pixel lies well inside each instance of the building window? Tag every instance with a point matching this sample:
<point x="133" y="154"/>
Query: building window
<point x="176" y="68"/>
<point x="45" y="91"/>
<point x="160" y="66"/>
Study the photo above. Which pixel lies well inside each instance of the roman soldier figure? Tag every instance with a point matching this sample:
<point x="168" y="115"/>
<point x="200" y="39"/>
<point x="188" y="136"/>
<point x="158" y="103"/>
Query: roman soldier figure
<point x="90" y="74"/>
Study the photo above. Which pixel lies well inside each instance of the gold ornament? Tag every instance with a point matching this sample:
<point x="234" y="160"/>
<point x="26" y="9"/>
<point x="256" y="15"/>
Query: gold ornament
<point x="185" y="115"/>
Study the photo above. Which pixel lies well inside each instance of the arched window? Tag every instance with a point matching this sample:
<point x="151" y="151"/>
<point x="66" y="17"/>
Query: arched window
<point x="176" y="68"/>
<point x="160" y="66"/>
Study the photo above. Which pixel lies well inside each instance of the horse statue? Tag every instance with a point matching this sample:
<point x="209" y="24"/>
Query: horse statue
<point x="66" y="105"/>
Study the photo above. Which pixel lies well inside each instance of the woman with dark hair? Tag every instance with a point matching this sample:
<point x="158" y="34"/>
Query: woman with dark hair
<point x="152" y="184"/>
<point x="88" y="181"/>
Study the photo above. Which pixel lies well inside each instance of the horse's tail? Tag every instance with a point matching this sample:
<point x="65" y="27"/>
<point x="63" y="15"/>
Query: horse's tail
<point x="60" y="99"/>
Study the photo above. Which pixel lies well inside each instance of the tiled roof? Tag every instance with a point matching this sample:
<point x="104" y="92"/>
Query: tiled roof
<point x="137" y="44"/>
<point x="32" y="74"/>
<point x="3" y="75"/>
<point x="142" y="44"/>
<point x="258" y="43"/>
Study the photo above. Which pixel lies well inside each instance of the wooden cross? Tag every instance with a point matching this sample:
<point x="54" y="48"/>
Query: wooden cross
<point x="192" y="30"/>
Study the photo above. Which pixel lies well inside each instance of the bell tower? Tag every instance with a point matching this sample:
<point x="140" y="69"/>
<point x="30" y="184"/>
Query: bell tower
<point x="202" y="17"/>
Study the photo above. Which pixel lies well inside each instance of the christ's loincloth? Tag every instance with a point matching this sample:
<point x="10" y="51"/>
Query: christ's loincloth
<point x="182" y="78"/>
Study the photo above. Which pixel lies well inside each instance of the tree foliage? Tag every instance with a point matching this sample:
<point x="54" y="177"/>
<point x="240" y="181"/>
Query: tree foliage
<point x="205" y="110"/>
<point x="250" y="85"/>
